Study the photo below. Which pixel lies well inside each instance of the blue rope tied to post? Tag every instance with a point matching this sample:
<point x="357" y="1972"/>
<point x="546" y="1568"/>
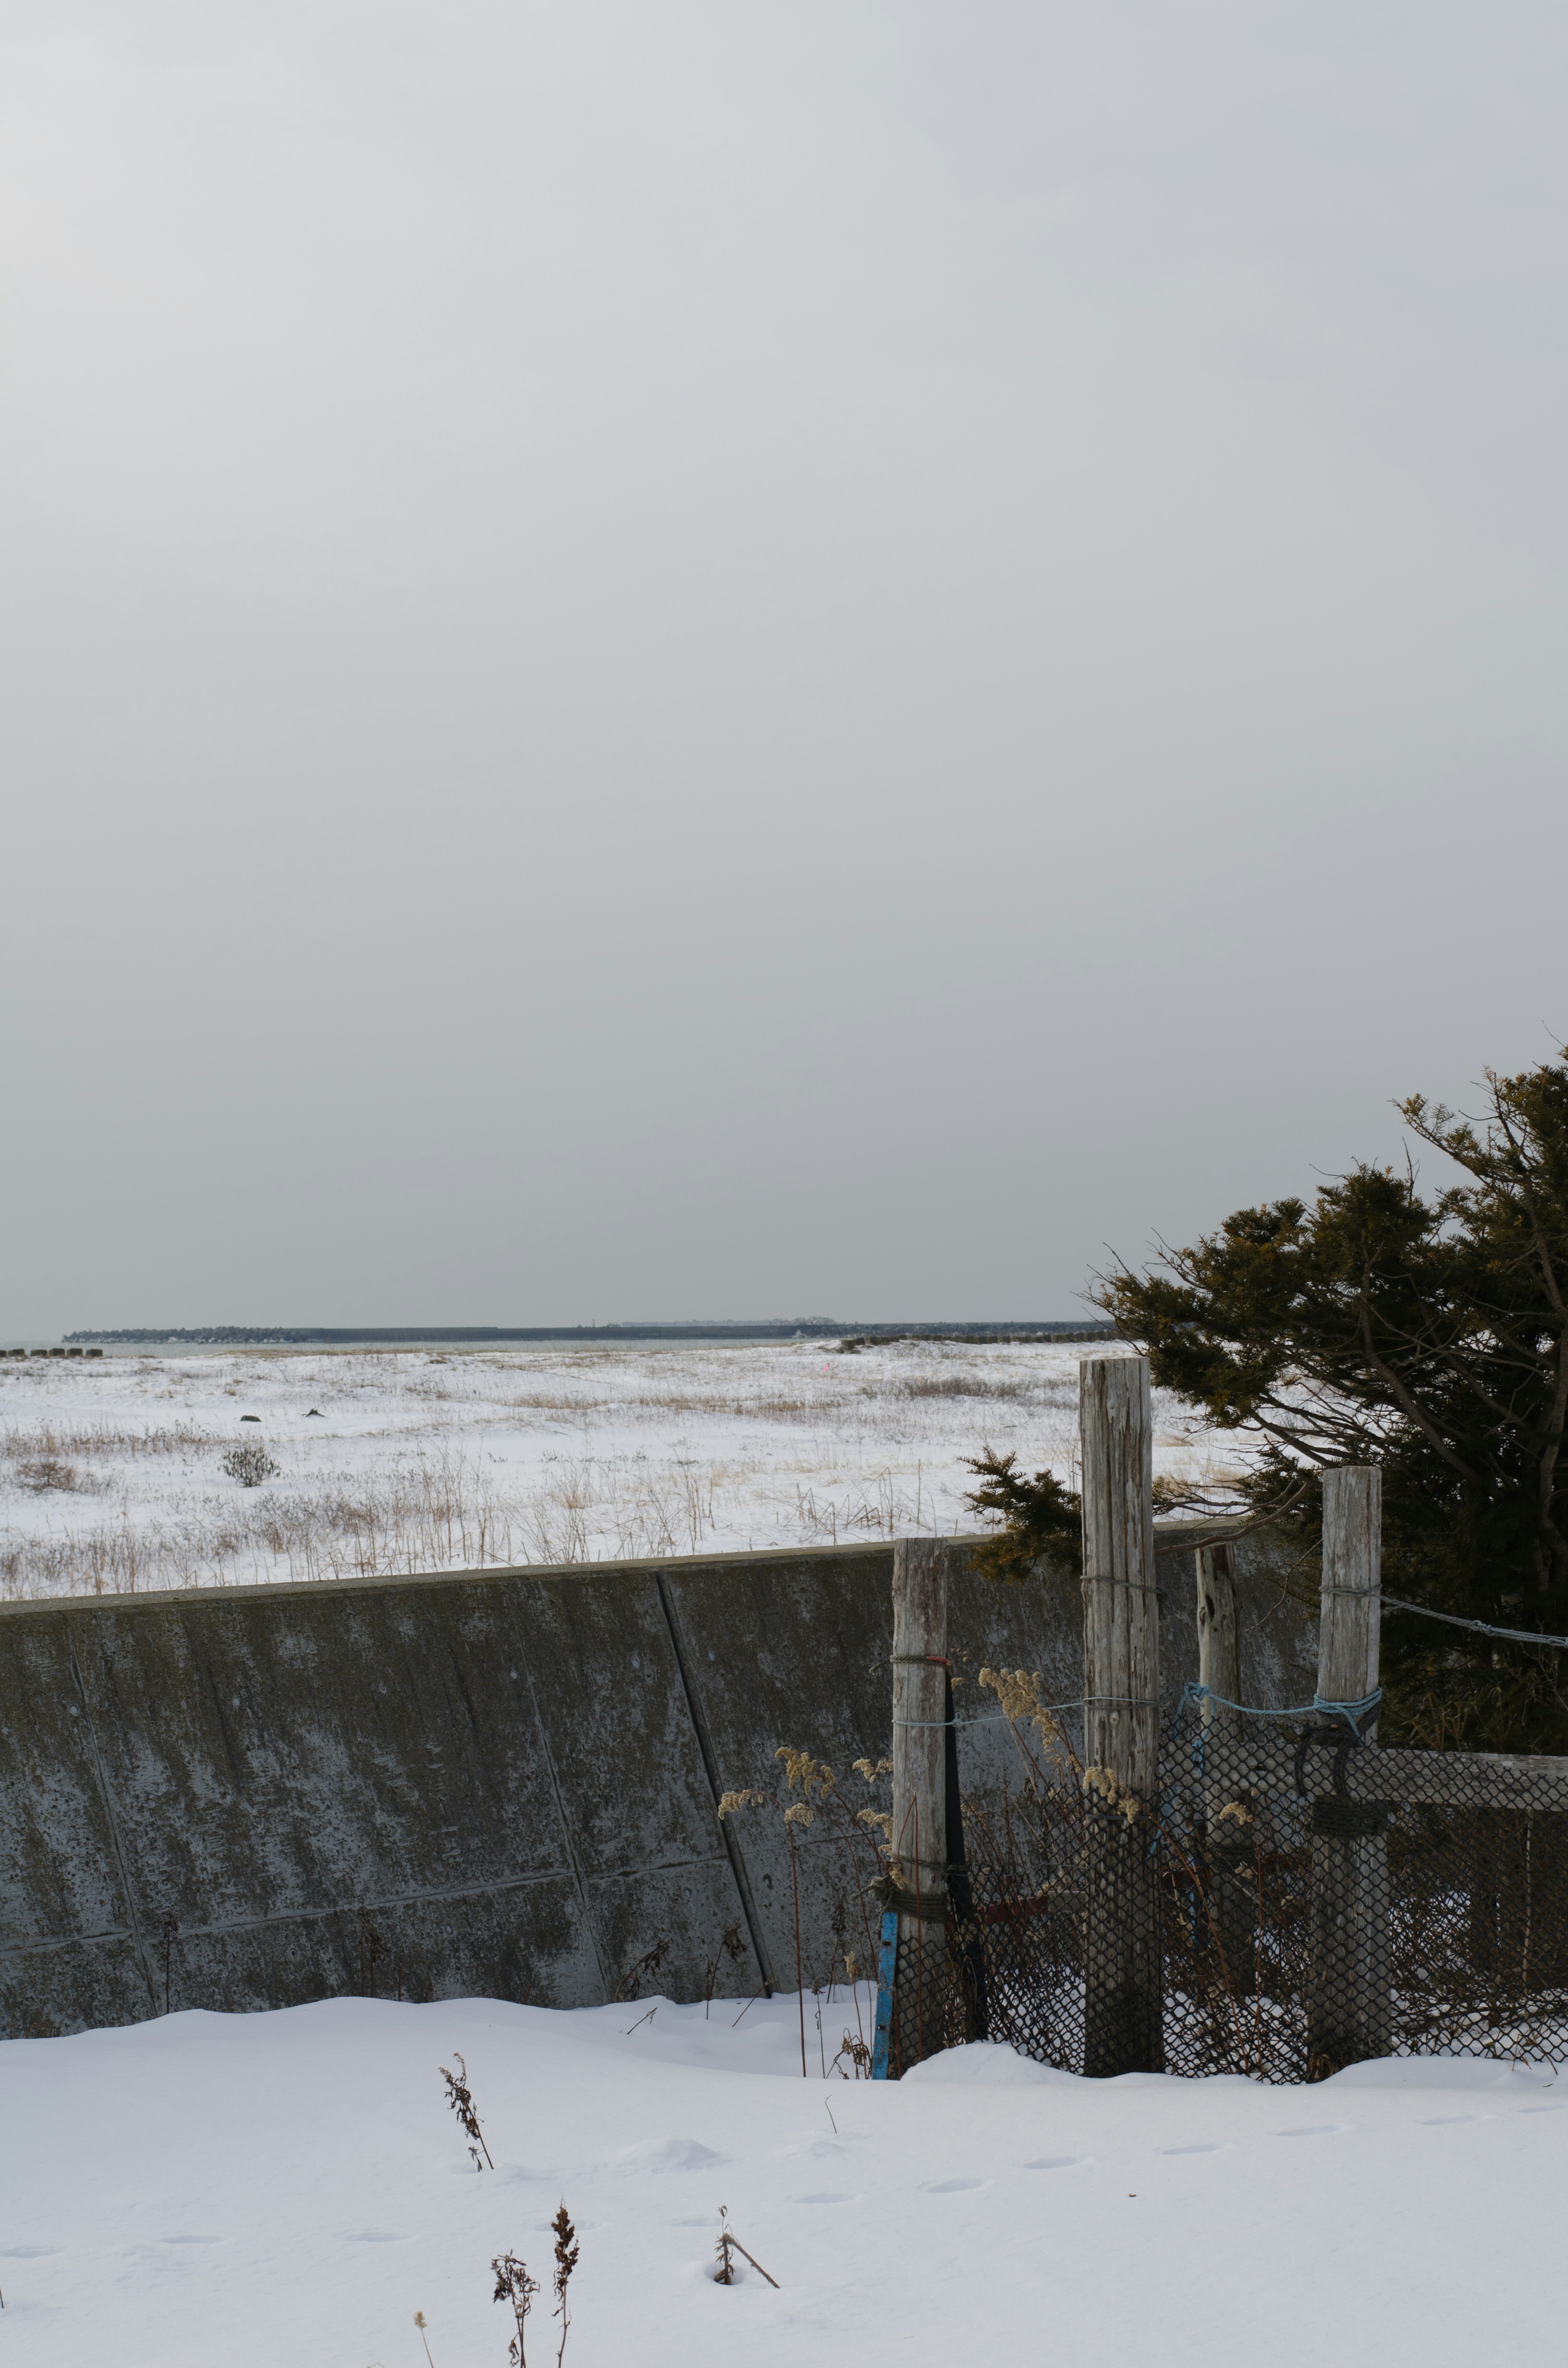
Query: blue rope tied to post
<point x="1317" y="1708"/>
<point x="1353" y="1713"/>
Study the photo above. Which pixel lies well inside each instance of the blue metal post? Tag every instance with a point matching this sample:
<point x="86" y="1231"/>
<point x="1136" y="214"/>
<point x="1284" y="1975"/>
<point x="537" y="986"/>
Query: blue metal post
<point x="887" y="1966"/>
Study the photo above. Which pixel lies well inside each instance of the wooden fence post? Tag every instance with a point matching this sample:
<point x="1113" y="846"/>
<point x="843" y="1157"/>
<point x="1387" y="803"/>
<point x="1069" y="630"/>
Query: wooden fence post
<point x="1218" y="1636"/>
<point x="1122" y="1947"/>
<point x="1227" y="1804"/>
<point x="1348" y="2006"/>
<point x="919" y="1791"/>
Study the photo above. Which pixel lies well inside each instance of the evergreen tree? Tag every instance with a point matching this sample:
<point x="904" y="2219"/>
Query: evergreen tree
<point x="1428" y="1335"/>
<point x="1040" y="1518"/>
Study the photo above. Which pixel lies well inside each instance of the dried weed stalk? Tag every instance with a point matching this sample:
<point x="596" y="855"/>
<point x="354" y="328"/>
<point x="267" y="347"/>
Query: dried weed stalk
<point x="732" y="1946"/>
<point x="642" y="1969"/>
<point x="460" y="2099"/>
<point x="859" y="2056"/>
<point x="514" y="2285"/>
<point x="725" y="2275"/>
<point x="566" y="2251"/>
<point x="865" y="1835"/>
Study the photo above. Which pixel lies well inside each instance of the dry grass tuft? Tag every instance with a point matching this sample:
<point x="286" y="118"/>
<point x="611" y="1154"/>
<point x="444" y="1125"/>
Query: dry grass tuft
<point x="86" y="1439"/>
<point x="40" y="1473"/>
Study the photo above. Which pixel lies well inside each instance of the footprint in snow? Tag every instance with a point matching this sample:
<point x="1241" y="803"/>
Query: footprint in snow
<point x="194" y="2241"/>
<point x="1450" y="2120"/>
<point x="1055" y="2161"/>
<point x="1215" y="2149"/>
<point x="825" y="2199"/>
<point x="1313" y="2130"/>
<point x="951" y="2186"/>
<point x="669" y="2154"/>
<point x="28" y="2252"/>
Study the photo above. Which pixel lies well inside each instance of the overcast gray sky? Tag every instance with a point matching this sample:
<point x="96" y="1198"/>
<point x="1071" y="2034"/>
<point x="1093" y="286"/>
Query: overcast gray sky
<point x="695" y="657"/>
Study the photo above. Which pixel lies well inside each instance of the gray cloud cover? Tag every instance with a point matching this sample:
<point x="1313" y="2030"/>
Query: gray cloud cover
<point x="697" y="657"/>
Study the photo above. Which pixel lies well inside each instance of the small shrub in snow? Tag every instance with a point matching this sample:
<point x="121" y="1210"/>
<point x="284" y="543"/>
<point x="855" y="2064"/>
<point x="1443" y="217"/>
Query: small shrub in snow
<point x="41" y="1471"/>
<point x="249" y="1464"/>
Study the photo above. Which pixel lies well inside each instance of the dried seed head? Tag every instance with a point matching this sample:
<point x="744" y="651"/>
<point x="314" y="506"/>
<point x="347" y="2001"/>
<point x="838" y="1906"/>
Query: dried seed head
<point x="809" y="1774"/>
<point x="566" y="2249"/>
<point x="1018" y="1691"/>
<point x="1113" y="1793"/>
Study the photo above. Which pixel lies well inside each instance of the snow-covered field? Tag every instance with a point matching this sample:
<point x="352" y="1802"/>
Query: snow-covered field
<point x="111" y="1472"/>
<point x="215" y="2191"/>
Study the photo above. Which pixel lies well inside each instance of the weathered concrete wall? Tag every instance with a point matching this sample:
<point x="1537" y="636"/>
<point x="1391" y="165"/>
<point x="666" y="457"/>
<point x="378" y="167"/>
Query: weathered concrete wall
<point x="497" y="1783"/>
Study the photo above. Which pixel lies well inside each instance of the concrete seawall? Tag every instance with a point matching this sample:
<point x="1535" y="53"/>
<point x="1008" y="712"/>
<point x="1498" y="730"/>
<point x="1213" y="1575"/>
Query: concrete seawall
<point x="496" y="1783"/>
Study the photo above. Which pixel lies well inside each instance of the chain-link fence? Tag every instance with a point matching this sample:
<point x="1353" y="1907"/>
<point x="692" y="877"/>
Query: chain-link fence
<point x="1290" y="1902"/>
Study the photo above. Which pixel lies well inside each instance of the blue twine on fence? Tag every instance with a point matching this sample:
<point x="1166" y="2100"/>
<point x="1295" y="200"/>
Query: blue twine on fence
<point x="1317" y="1708"/>
<point x="1079" y="1702"/>
<point x="1353" y="1713"/>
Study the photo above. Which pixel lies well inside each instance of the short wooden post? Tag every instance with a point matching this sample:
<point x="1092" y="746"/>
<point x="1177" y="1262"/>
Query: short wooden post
<point x="1348" y="2006"/>
<point x="919" y="1792"/>
<point x="1123" y="1955"/>
<point x="1218" y="1636"/>
<point x="1227" y="1804"/>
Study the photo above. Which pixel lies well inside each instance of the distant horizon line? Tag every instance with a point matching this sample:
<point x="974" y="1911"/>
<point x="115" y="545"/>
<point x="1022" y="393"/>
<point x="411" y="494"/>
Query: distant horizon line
<point x="689" y="1328"/>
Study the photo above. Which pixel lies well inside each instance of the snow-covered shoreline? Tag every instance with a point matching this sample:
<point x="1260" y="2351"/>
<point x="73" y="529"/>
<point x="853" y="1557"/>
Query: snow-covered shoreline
<point x="111" y="1474"/>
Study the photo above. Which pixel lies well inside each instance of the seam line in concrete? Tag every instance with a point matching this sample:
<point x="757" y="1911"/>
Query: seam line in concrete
<point x="111" y="1814"/>
<point x="705" y="1745"/>
<point x="568" y="1840"/>
<point x="48" y="1943"/>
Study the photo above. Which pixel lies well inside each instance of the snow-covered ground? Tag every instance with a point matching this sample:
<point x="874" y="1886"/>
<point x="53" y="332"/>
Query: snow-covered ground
<point x="217" y="2192"/>
<point x="111" y="1472"/>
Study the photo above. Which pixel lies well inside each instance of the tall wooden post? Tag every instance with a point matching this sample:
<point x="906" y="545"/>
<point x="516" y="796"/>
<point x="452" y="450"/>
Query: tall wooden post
<point x="1348" y="2006"/>
<point x="1122" y="2000"/>
<point x="1227" y="1802"/>
<point x="919" y="1791"/>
